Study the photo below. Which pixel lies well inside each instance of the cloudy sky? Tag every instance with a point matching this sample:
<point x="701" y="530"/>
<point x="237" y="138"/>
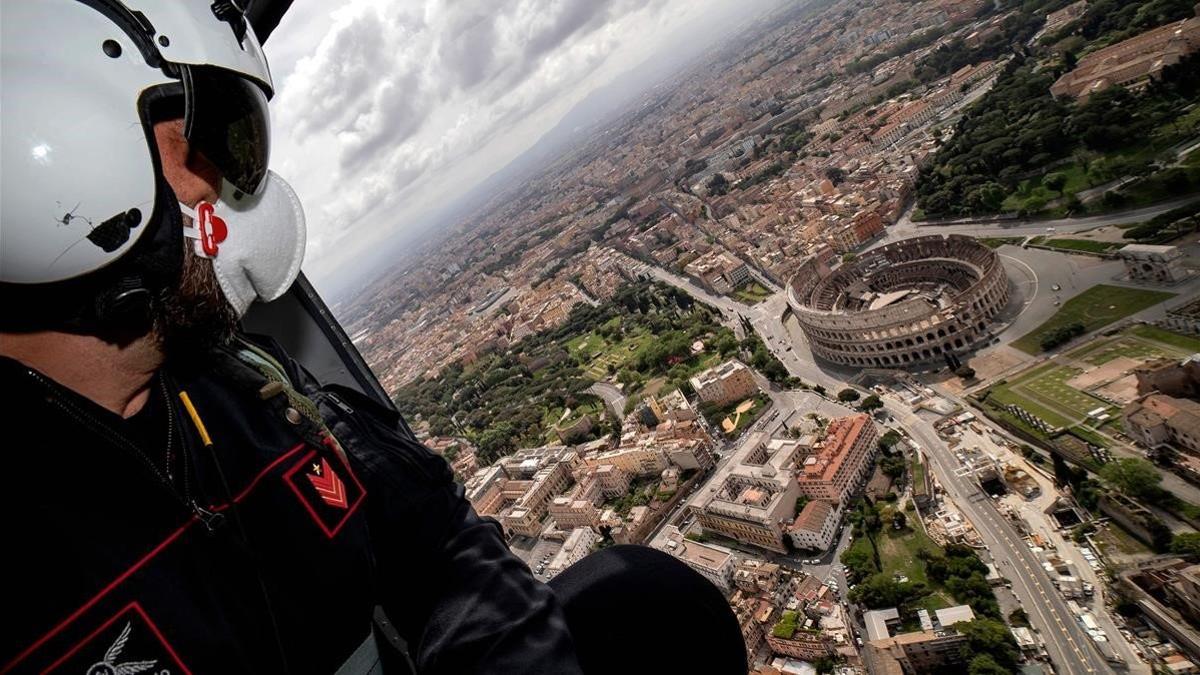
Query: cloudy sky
<point x="386" y="109"/>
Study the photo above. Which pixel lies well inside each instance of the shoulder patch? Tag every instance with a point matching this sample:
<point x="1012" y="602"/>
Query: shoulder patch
<point x="126" y="644"/>
<point x="327" y="489"/>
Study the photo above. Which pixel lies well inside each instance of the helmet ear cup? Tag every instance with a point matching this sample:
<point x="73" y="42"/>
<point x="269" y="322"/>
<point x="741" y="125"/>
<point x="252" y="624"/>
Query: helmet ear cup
<point x="124" y="307"/>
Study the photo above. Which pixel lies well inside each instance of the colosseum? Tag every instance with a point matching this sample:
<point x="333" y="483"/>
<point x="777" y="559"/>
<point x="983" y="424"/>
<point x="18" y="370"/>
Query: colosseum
<point x="904" y="304"/>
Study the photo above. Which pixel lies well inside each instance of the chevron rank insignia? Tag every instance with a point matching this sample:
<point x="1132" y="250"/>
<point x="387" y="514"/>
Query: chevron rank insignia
<point x="327" y="488"/>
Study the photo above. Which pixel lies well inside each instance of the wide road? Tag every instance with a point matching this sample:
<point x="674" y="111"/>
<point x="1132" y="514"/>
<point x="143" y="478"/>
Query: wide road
<point x="991" y="227"/>
<point x="1069" y="646"/>
<point x="612" y="396"/>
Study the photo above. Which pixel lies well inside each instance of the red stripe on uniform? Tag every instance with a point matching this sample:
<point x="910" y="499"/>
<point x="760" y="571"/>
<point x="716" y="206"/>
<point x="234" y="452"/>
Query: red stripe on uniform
<point x="140" y="564"/>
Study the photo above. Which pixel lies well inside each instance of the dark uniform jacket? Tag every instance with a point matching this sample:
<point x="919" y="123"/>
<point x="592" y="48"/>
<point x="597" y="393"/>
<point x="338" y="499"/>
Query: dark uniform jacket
<point x="267" y="550"/>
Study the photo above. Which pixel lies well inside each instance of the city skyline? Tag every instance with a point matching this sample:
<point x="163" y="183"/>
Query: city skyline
<point x="404" y="108"/>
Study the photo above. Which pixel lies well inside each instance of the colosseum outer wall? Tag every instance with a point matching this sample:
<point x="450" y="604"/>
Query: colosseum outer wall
<point x="954" y="287"/>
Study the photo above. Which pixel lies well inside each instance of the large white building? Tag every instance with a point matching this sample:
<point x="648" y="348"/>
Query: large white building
<point x="715" y="563"/>
<point x="752" y="497"/>
<point x="816" y="525"/>
<point x="578" y="544"/>
<point x="519" y="488"/>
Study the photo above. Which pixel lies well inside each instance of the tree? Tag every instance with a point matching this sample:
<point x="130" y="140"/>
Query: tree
<point x="1186" y="543"/>
<point x="892" y="466"/>
<point x="725" y="343"/>
<point x="1160" y="534"/>
<point x="899" y="520"/>
<point x="859" y="561"/>
<point x="1055" y="181"/>
<point x="1063" y="475"/>
<point x="890" y="438"/>
<point x="718" y="184"/>
<point x="881" y="590"/>
<point x="1135" y="477"/>
<point x="984" y="664"/>
<point x="965" y="372"/>
<point x="990" y="637"/>
<point x="870" y="403"/>
<point x="1018" y="617"/>
<point x="848" y="395"/>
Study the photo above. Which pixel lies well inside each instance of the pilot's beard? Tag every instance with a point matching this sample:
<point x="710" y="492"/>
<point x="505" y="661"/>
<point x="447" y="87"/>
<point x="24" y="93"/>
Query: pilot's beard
<point x="194" y="315"/>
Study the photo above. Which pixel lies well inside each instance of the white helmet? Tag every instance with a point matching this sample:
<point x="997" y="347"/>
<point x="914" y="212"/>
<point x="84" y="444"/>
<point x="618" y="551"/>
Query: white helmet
<point x="82" y="182"/>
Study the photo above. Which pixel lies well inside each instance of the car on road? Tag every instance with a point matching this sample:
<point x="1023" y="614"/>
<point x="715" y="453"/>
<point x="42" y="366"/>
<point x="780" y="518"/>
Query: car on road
<point x="1056" y="287"/>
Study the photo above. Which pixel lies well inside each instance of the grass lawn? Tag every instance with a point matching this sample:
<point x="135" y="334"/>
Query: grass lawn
<point x="1032" y="191"/>
<point x="605" y="353"/>
<point x="898" y="549"/>
<point x="1090" y="436"/>
<point x="1114" y="538"/>
<point x="1187" y="343"/>
<point x="898" y="553"/>
<point x="1052" y="389"/>
<point x="1153" y="189"/>
<point x="1044" y="392"/>
<point x="916" y="470"/>
<point x="1096" y="307"/>
<point x="997" y="242"/>
<point x="1126" y="345"/>
<point x="1013" y="392"/>
<point x="760" y="404"/>
<point x="593" y="408"/>
<point x="751" y="293"/>
<point x="590" y="343"/>
<point x="1087" y="245"/>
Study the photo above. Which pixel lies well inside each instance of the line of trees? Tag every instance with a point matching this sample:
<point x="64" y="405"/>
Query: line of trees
<point x="1061" y="335"/>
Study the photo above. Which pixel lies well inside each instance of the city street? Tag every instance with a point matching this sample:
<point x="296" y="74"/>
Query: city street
<point x="991" y="227"/>
<point x="1069" y="647"/>
<point x="612" y="396"/>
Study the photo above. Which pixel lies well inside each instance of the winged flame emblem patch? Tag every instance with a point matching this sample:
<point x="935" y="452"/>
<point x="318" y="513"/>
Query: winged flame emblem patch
<point x="109" y="665"/>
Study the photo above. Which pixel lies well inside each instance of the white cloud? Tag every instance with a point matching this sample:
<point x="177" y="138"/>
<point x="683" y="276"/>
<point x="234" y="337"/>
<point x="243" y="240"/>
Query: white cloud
<point x="384" y="109"/>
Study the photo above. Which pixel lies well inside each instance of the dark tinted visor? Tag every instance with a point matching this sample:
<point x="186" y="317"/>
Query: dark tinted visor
<point x="226" y="119"/>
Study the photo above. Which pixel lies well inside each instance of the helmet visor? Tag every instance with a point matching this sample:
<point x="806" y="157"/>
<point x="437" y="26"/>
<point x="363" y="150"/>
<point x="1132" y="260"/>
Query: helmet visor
<point x="226" y="119"/>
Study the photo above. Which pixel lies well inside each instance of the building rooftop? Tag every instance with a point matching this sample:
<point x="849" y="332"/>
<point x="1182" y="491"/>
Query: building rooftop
<point x="876" y="622"/>
<point x="813" y="516"/>
<point x="951" y="615"/>
<point x="707" y="556"/>
<point x="1149" y="248"/>
<point x="839" y="438"/>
